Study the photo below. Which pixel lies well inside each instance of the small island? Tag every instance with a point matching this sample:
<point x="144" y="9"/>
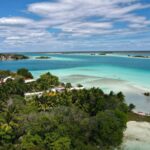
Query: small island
<point x="4" y="57"/>
<point x="141" y="56"/>
<point x="147" y="93"/>
<point x="102" y="53"/>
<point x="43" y="57"/>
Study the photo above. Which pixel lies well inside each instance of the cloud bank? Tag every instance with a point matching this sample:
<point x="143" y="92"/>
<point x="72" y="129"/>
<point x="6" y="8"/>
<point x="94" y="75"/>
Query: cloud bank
<point x="65" y="25"/>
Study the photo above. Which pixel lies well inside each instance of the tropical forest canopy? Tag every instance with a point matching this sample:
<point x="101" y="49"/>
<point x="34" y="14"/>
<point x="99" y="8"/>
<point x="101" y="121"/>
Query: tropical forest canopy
<point x="85" y="119"/>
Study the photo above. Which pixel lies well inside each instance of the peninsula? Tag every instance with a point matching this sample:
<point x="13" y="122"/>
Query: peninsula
<point x="4" y="57"/>
<point x="46" y="107"/>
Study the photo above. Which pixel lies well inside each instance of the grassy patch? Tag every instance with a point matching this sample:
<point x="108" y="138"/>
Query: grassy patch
<point x="135" y="117"/>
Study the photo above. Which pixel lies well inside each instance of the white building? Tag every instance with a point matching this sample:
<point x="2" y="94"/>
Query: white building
<point x="3" y="79"/>
<point x="30" y="80"/>
<point x="9" y="77"/>
<point x="76" y="88"/>
<point x="57" y="89"/>
<point x="33" y="94"/>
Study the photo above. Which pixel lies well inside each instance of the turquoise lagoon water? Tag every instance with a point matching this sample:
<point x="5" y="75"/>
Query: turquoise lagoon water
<point x="135" y="71"/>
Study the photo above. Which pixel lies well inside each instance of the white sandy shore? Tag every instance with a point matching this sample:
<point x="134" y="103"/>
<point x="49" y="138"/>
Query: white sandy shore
<point x="136" y="136"/>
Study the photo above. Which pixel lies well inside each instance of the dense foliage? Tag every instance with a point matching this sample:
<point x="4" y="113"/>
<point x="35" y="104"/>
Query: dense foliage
<point x="5" y="73"/>
<point x="25" y="73"/>
<point x="47" y="81"/>
<point x="85" y="119"/>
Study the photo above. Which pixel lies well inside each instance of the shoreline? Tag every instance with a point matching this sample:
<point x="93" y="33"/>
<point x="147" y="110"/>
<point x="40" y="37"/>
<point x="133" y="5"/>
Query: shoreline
<point x="133" y="93"/>
<point x="96" y="54"/>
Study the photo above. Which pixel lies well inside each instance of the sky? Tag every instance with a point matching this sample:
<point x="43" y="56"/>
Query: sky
<point x="74" y="25"/>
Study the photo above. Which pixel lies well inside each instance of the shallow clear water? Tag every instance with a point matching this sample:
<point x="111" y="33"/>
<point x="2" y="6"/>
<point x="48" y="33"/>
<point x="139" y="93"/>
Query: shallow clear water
<point x="135" y="71"/>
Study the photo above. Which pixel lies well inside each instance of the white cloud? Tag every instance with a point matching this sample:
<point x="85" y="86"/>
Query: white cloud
<point x="79" y="9"/>
<point x="15" y="21"/>
<point x="15" y="36"/>
<point x="64" y="12"/>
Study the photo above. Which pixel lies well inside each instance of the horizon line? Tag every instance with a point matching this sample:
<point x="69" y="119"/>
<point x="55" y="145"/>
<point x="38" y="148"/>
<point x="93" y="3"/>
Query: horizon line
<point x="108" y="51"/>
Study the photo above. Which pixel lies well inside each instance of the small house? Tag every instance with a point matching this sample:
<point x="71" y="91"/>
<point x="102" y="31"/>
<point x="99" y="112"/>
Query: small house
<point x="4" y="78"/>
<point x="29" y="80"/>
<point x="29" y="95"/>
<point x="58" y="89"/>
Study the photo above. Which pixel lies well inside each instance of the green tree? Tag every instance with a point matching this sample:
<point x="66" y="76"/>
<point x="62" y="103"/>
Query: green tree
<point x="79" y="85"/>
<point x="131" y="107"/>
<point x="47" y="81"/>
<point x="25" y="73"/>
<point x="68" y="85"/>
<point x="120" y="96"/>
<point x="63" y="143"/>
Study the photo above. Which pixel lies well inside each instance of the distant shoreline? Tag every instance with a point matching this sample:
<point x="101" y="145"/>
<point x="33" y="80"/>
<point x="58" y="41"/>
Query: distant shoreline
<point x="123" y="51"/>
